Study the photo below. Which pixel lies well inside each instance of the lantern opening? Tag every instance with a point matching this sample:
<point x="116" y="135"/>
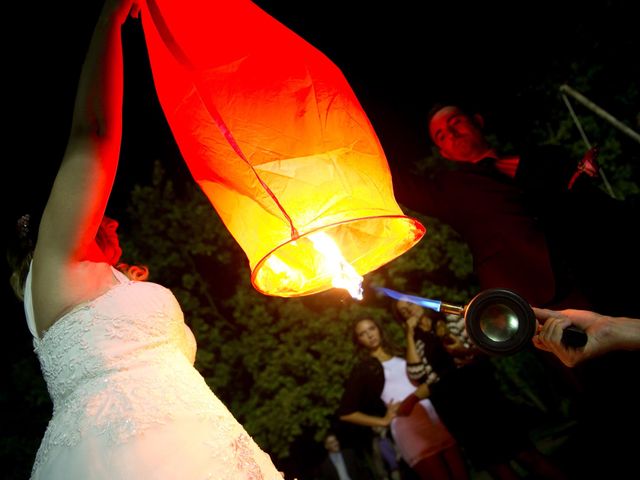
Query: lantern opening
<point x="303" y="266"/>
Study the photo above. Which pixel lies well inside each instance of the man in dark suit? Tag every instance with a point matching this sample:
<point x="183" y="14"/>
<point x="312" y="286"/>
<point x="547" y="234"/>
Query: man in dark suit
<point x="341" y="464"/>
<point x="535" y="222"/>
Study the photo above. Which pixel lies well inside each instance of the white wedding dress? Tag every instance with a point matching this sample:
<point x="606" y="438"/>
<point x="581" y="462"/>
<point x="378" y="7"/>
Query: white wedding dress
<point x="127" y="401"/>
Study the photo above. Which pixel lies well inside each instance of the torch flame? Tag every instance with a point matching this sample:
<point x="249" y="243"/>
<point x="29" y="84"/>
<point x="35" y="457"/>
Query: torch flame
<point x="342" y="273"/>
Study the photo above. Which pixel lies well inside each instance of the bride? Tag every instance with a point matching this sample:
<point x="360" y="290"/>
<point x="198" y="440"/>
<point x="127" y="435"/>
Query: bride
<point x="114" y="350"/>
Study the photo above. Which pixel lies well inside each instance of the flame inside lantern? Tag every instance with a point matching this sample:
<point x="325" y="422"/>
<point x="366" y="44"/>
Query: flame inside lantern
<point x="337" y="256"/>
<point x="331" y="264"/>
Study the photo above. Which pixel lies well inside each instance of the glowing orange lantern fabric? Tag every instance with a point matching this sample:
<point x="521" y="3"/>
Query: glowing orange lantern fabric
<point x="275" y="137"/>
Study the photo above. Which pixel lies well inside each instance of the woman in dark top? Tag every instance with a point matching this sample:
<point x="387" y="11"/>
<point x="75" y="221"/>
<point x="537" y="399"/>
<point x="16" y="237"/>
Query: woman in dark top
<point x="371" y="396"/>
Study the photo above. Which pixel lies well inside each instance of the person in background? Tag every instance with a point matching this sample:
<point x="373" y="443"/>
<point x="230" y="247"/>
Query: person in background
<point x="114" y="349"/>
<point x="378" y="394"/>
<point x="341" y="464"/>
<point x="386" y="454"/>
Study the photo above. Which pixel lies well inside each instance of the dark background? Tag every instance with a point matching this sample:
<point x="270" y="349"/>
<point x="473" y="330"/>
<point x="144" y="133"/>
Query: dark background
<point x="399" y="57"/>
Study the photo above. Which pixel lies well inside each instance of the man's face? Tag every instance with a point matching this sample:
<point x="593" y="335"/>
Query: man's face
<point x="458" y="136"/>
<point x="331" y="444"/>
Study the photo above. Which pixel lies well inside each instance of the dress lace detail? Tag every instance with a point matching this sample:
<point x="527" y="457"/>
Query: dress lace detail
<point x="120" y="373"/>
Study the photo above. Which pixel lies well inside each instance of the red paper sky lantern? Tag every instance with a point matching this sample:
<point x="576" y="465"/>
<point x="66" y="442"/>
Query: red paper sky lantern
<point x="275" y="137"/>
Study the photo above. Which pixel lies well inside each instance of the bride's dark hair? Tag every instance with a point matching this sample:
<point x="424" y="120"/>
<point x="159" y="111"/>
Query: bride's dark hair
<point x="20" y="253"/>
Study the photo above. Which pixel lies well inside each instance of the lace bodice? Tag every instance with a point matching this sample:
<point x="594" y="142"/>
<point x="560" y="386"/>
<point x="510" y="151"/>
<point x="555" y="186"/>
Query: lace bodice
<point x="134" y="325"/>
<point x="121" y="365"/>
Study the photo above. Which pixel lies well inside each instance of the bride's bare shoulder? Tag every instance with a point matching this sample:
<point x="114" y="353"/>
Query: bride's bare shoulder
<point x="56" y="291"/>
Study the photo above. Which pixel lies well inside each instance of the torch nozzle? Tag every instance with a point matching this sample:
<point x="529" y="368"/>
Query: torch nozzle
<point x="453" y="309"/>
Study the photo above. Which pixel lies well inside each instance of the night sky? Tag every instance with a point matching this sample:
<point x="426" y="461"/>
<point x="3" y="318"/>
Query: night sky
<point x="399" y="56"/>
